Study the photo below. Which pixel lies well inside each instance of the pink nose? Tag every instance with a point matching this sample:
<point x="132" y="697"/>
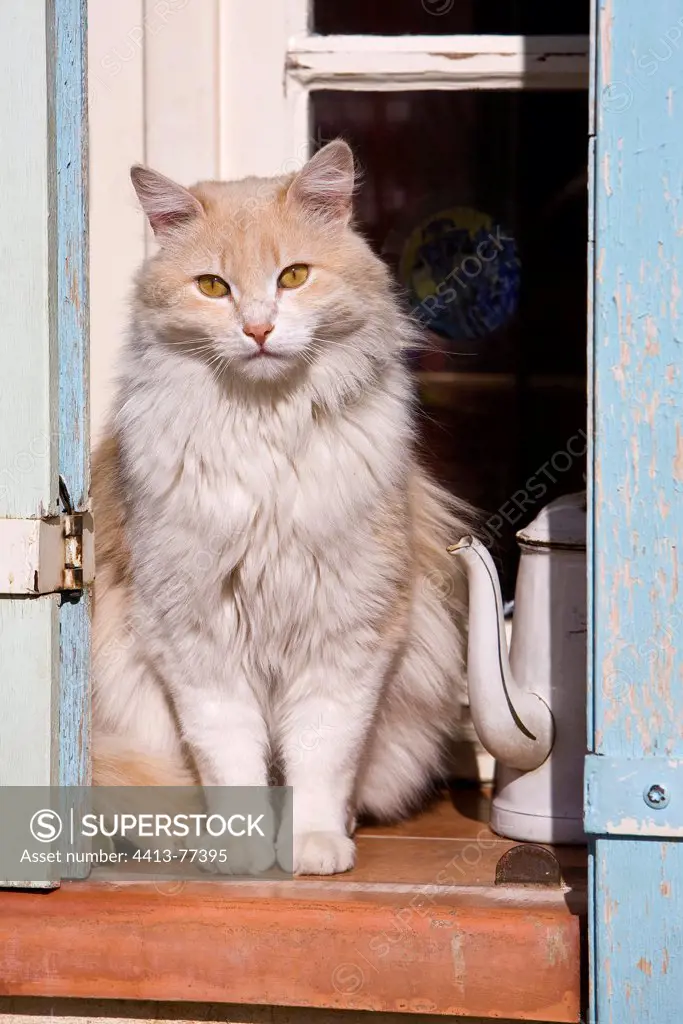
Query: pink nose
<point x="259" y="332"/>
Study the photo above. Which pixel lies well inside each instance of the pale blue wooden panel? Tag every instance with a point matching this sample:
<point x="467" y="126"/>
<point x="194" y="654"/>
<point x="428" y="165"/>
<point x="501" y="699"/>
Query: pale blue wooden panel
<point x="68" y="27"/>
<point x="634" y="798"/>
<point x="590" y="484"/>
<point x="28" y="412"/>
<point x="69" y="40"/>
<point x="638" y="697"/>
<point x="29" y="661"/>
<point x="639" y="884"/>
<point x="28" y="386"/>
<point x="636" y="485"/>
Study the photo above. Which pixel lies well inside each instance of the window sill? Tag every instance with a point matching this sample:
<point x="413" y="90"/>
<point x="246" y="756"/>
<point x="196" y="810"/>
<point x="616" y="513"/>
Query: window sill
<point x="388" y="936"/>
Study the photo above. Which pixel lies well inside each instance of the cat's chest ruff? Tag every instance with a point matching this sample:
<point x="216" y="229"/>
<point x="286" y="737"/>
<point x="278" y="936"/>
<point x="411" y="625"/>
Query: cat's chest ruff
<point x="307" y="482"/>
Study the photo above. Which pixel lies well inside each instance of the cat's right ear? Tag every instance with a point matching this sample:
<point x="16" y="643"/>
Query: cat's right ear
<point x="166" y="204"/>
<point x="325" y="184"/>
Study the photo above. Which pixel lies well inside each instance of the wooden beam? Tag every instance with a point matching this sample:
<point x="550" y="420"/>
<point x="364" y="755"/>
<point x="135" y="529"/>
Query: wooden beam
<point x="396" y="63"/>
<point x="327" y="944"/>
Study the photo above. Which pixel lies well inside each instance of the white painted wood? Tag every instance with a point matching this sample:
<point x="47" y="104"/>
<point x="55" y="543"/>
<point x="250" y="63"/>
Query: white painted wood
<point x="155" y="98"/>
<point x="29" y="655"/>
<point x="462" y="44"/>
<point x="117" y="228"/>
<point x="28" y="411"/>
<point x="28" y="435"/>
<point x="438" y="62"/>
<point x="31" y="556"/>
<point x="182" y="99"/>
<point x="264" y="126"/>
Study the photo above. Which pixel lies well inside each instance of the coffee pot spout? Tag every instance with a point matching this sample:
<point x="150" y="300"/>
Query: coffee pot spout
<point x="515" y="725"/>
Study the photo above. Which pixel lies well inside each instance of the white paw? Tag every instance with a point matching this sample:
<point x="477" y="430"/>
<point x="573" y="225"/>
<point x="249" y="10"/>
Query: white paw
<point x="248" y="851"/>
<point x="232" y="856"/>
<point x="322" y="853"/>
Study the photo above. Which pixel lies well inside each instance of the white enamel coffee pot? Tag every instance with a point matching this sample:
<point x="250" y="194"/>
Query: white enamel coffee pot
<point x="529" y="709"/>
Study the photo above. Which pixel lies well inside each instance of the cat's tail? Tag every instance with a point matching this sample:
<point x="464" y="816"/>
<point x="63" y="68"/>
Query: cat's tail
<point x="122" y="777"/>
<point x="440" y="519"/>
<point x="116" y="764"/>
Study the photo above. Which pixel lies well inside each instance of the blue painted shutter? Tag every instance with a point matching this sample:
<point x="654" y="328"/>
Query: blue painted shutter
<point x="44" y="643"/>
<point x="72" y="323"/>
<point x="634" y="776"/>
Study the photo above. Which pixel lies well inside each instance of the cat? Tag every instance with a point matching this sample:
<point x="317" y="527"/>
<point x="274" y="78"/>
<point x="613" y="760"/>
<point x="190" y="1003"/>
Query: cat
<point x="273" y="585"/>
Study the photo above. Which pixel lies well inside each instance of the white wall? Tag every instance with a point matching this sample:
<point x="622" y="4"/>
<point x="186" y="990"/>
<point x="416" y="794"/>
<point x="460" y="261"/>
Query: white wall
<point x="155" y="98"/>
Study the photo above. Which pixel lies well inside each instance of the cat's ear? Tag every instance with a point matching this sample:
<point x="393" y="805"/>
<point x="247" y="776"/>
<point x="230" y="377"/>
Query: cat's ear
<point x="324" y="186"/>
<point x="166" y="204"/>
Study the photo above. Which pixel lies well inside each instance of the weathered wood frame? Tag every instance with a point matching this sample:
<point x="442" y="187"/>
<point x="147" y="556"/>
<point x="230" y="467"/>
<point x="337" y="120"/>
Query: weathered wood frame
<point x="367" y="63"/>
<point x="44" y="643"/>
<point x="29" y="627"/>
<point x="70" y="105"/>
<point x="390" y="63"/>
<point x="636" y="526"/>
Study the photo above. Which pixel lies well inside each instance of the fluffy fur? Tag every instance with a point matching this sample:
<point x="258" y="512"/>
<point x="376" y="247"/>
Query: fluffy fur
<point x="273" y="586"/>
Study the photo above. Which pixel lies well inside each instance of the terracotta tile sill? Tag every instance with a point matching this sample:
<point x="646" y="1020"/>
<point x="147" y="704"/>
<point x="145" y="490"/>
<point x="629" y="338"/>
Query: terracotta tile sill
<point x="417" y="927"/>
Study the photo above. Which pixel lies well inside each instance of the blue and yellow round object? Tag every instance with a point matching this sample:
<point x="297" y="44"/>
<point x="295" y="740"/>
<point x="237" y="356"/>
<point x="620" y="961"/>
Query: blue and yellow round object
<point x="462" y="270"/>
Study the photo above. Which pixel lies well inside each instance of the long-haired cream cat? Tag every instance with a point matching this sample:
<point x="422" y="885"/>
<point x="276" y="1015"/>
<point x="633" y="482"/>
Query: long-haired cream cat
<point x="273" y="583"/>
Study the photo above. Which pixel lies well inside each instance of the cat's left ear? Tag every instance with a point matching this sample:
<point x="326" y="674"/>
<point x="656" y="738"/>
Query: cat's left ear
<point x="167" y="204"/>
<point x="325" y="185"/>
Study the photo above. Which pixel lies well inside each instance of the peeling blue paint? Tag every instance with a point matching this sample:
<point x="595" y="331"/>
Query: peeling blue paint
<point x="67" y="29"/>
<point x="625" y="797"/>
<point x="636" y="529"/>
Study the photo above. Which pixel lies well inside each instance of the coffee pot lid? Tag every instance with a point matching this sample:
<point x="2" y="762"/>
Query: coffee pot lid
<point x="560" y="524"/>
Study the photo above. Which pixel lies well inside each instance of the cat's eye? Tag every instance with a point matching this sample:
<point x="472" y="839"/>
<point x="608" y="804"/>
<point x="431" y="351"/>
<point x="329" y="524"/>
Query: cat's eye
<point x="214" y="287"/>
<point x="294" y="276"/>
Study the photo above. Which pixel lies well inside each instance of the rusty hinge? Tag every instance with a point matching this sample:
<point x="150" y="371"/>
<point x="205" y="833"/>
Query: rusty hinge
<point x="73" y="532"/>
<point x="50" y="555"/>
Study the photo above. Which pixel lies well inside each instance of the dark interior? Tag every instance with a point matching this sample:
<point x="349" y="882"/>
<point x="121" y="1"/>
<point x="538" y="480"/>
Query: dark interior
<point x="449" y="17"/>
<point x="503" y="390"/>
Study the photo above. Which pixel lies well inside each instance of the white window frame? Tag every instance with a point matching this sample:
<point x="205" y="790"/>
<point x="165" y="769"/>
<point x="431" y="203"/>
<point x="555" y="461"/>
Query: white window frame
<point x="297" y="62"/>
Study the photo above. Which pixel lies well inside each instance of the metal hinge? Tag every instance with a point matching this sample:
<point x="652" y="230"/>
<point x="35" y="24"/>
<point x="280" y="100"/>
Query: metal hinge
<point x="641" y="798"/>
<point x="51" y="555"/>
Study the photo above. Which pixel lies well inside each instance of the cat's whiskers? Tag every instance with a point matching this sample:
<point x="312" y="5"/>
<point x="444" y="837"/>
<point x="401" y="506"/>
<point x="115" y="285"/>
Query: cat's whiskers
<point x="355" y="353"/>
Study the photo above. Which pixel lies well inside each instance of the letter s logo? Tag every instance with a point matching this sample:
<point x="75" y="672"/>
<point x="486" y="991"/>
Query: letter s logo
<point x="46" y="826"/>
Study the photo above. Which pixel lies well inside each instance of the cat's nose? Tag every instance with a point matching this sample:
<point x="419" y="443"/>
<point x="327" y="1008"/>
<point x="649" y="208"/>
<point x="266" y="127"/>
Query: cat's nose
<point x="259" y="332"/>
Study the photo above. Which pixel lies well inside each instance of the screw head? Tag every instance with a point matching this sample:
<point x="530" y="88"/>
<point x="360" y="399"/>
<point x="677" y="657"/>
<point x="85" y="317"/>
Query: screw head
<point x="656" y="796"/>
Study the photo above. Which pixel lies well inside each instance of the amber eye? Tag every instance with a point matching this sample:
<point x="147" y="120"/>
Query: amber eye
<point x="294" y="276"/>
<point x="214" y="287"/>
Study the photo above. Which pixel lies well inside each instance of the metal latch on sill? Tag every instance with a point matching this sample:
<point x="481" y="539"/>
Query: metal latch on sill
<point x="54" y="554"/>
<point x="640" y="798"/>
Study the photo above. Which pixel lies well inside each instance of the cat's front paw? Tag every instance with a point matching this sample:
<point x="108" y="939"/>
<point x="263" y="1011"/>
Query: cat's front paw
<point x="233" y="856"/>
<point x="250" y="850"/>
<point x="322" y="853"/>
